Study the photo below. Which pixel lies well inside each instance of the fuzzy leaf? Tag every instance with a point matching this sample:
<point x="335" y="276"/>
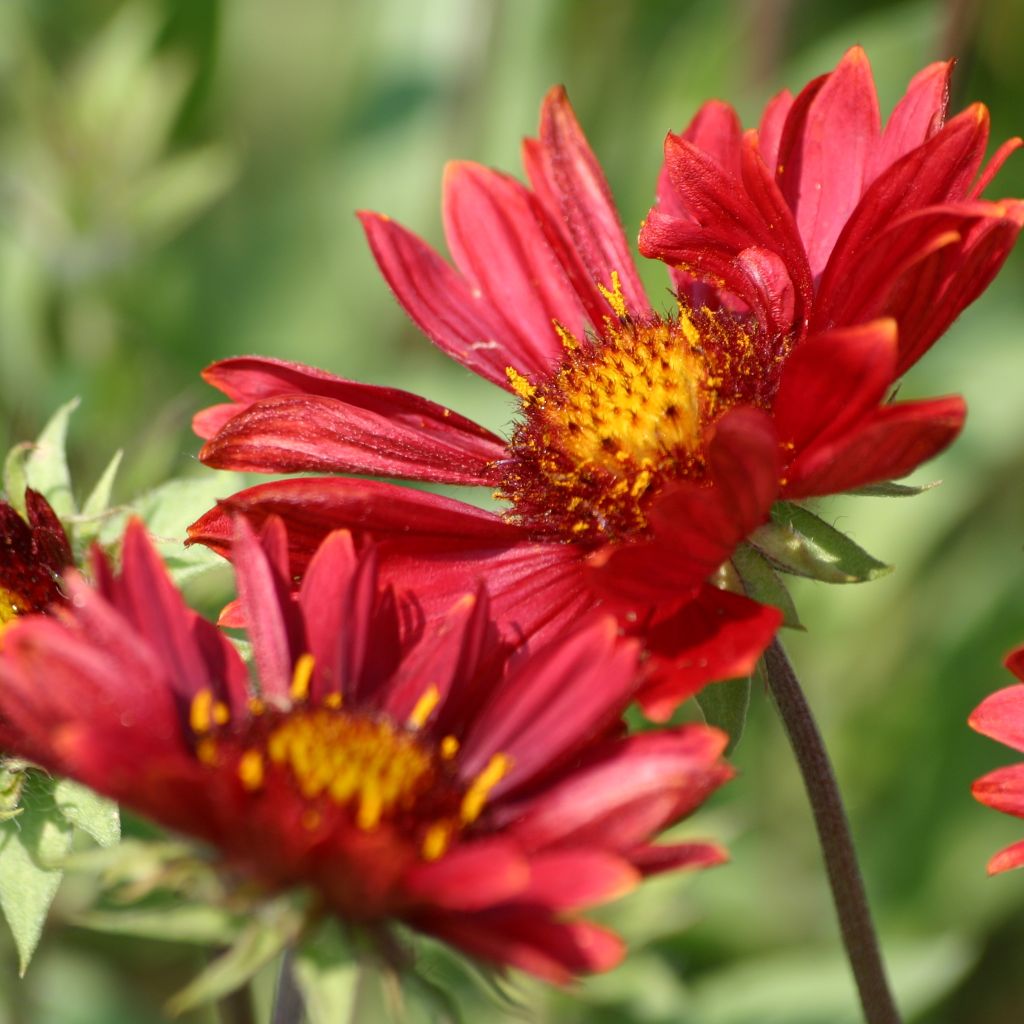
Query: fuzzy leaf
<point x="259" y="942"/>
<point x="98" y="502"/>
<point x="168" y="510"/>
<point x="889" y="489"/>
<point x="31" y="847"/>
<point x="799" y="542"/>
<point x="761" y="583"/>
<point x="89" y="811"/>
<point x="46" y="467"/>
<point x="14" y="476"/>
<point x="327" y="975"/>
<point x="206" y="925"/>
<point x="725" y="705"/>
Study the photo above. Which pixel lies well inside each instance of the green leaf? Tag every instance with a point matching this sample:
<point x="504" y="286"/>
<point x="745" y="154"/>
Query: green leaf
<point x="31" y="848"/>
<point x="799" y="542"/>
<point x="259" y="942"/>
<point x="889" y="489"/>
<point x="327" y="975"/>
<point x="761" y="583"/>
<point x="169" y="510"/>
<point x="89" y="811"/>
<point x="46" y="467"/>
<point x="90" y="519"/>
<point x="14" y="476"/>
<point x="725" y="705"/>
<point x="206" y="925"/>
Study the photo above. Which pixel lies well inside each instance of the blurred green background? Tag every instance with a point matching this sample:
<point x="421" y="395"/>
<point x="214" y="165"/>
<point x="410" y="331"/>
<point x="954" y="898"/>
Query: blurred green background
<point x="177" y="184"/>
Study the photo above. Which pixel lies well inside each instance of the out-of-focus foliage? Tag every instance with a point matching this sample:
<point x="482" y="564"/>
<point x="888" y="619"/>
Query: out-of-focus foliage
<point x="177" y="183"/>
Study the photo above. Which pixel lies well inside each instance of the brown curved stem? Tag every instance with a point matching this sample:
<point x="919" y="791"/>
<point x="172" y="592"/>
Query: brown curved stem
<point x="844" y="875"/>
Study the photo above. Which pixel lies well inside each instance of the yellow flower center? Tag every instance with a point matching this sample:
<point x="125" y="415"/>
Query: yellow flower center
<point x="377" y="770"/>
<point x="618" y="417"/>
<point x="11" y="606"/>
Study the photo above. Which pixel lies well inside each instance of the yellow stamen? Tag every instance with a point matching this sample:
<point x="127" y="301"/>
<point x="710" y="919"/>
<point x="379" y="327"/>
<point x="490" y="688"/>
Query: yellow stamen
<point x="480" y="788"/>
<point x="614" y="296"/>
<point x="424" y="707"/>
<point x="200" y="713"/>
<point x="257" y="707"/>
<point x="300" y="678"/>
<point x="333" y="700"/>
<point x="206" y="751"/>
<point x="250" y="769"/>
<point x="436" y="840"/>
<point x="449" y="747"/>
<point x="520" y="385"/>
<point x="220" y="712"/>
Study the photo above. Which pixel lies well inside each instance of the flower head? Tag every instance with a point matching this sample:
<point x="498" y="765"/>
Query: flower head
<point x="398" y="769"/>
<point x="34" y="555"/>
<point x="1001" y="716"/>
<point x="814" y="261"/>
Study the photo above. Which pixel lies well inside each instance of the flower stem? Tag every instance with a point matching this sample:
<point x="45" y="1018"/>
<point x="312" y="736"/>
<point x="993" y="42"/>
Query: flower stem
<point x="288" y="1007"/>
<point x="834" y="835"/>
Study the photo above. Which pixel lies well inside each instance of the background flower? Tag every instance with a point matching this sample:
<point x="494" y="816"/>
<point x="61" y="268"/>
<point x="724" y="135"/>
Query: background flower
<point x="358" y="106"/>
<point x="400" y="771"/>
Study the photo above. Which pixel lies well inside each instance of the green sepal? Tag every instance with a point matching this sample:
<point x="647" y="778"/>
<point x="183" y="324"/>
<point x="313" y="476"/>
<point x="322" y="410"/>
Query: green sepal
<point x="725" y="706"/>
<point x="97" y="505"/>
<point x="168" y="510"/>
<point x="761" y="583"/>
<point x="93" y="814"/>
<point x="32" y="847"/>
<point x="14" y="479"/>
<point x="797" y="541"/>
<point x="276" y="926"/>
<point x="890" y="489"/>
<point x="46" y="462"/>
<point x="188" y="922"/>
<point x="327" y="974"/>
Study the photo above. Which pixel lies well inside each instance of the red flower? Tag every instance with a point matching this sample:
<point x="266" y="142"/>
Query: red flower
<point x="648" y="447"/>
<point x="34" y="555"/>
<point x="400" y="770"/>
<point x="1001" y="716"/>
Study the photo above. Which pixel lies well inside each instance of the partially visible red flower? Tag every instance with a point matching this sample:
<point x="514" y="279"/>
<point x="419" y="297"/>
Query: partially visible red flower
<point x="34" y="556"/>
<point x="815" y="260"/>
<point x="1001" y="716"/>
<point x="399" y="769"/>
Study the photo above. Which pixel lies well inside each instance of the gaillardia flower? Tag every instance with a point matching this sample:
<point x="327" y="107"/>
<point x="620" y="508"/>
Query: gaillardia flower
<point x="814" y="259"/>
<point x="34" y="556"/>
<point x="1001" y="716"/>
<point x="400" y="770"/>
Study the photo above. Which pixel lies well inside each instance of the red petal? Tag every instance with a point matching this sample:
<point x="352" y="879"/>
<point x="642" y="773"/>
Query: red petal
<point x="617" y="802"/>
<point x="1015" y="662"/>
<point x="1001" y="716"/>
<point x="937" y="172"/>
<point x="551" y="703"/>
<point x="886" y="446"/>
<point x="769" y="132"/>
<point x="473" y="876"/>
<point x="574" y="176"/>
<point x="1011" y="857"/>
<point x="832" y="380"/>
<point x="916" y="118"/>
<point x="528" y="939"/>
<point x="457" y="318"/>
<point x="719" y="636"/>
<point x="574" y="879"/>
<point x="501" y="248"/>
<point x="293" y="433"/>
<point x="823" y="155"/>
<point x="658" y="858"/>
<point x="1002" y="790"/>
<point x="263" y="592"/>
